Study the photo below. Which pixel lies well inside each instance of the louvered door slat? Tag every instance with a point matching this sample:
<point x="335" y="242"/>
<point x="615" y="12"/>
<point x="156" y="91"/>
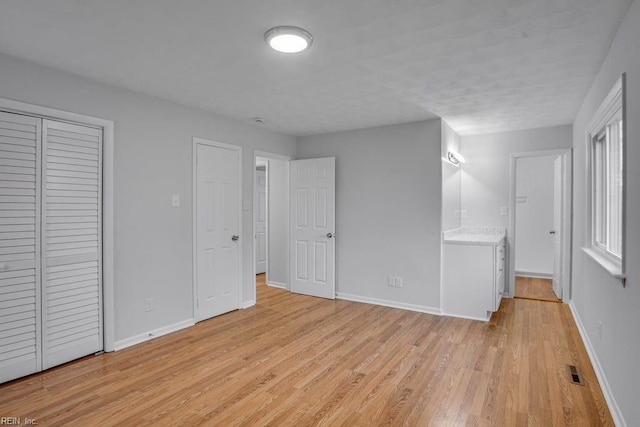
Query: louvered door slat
<point x="72" y="317"/>
<point x="20" y="165"/>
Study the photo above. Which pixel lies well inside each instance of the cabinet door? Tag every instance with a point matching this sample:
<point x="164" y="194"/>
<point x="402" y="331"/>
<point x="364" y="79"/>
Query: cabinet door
<point x="72" y="247"/>
<point x="19" y="246"/>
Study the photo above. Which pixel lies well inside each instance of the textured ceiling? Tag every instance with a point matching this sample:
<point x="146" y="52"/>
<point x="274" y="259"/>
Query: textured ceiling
<point x="482" y="65"/>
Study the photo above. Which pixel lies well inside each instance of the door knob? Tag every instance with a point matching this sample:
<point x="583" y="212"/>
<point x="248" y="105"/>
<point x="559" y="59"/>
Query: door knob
<point x="235" y="238"/>
<point x="552" y="232"/>
<point x="330" y="235"/>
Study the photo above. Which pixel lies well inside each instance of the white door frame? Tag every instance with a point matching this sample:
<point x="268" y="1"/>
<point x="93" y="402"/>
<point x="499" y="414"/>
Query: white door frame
<point x="266" y="155"/>
<point x="107" y="199"/>
<point x="194" y="201"/>
<point x="566" y="155"/>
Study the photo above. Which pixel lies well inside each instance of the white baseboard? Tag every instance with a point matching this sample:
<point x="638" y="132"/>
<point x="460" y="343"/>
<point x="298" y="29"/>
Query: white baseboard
<point x="616" y="414"/>
<point x="392" y="304"/>
<point x="534" y="275"/>
<point x="277" y="284"/>
<point x="459" y="316"/>
<point x="248" y="304"/>
<point x="148" y="336"/>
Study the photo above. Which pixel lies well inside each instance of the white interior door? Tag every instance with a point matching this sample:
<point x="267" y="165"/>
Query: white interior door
<point x="217" y="230"/>
<point x="71" y="242"/>
<point x="312" y="227"/>
<point x="50" y="243"/>
<point x="557" y="226"/>
<point x="261" y="221"/>
<point x="20" y="327"/>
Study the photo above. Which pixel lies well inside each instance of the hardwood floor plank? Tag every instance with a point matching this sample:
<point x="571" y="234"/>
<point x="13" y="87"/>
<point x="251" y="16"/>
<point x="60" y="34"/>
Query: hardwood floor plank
<point x="297" y="360"/>
<point x="535" y="288"/>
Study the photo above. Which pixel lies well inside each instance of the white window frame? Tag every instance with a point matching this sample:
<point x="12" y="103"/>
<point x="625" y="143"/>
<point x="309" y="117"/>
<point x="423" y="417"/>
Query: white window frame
<point x="597" y="237"/>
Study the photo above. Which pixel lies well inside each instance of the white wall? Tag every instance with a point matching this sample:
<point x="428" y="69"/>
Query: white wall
<point x="534" y="215"/>
<point x="485" y="175"/>
<point x="153" y="144"/>
<point x="388" y="209"/>
<point x="451" y="180"/>
<point x="598" y="296"/>
<point x="278" y="194"/>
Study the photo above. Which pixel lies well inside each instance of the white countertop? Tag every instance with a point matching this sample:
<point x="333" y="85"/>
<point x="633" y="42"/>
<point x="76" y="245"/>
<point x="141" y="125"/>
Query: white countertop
<point x="474" y="236"/>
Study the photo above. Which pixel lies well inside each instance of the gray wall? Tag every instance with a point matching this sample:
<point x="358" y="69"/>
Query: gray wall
<point x="598" y="296"/>
<point x="388" y="208"/>
<point x="451" y="180"/>
<point x="485" y="175"/>
<point x="153" y="156"/>
<point x="278" y="194"/>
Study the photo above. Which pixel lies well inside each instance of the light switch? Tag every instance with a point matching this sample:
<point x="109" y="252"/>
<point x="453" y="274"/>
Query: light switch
<point x="175" y="200"/>
<point x="246" y="205"/>
<point x="504" y="211"/>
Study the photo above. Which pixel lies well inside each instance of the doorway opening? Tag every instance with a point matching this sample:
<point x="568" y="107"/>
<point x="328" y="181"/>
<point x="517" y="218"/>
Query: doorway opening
<point x="540" y="225"/>
<point x="270" y="221"/>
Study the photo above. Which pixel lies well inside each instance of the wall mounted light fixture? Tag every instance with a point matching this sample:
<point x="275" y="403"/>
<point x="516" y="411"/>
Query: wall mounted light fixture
<point x="454" y="158"/>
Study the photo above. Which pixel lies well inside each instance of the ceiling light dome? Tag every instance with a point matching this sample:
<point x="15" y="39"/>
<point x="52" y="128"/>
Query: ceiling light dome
<point x="288" y="39"/>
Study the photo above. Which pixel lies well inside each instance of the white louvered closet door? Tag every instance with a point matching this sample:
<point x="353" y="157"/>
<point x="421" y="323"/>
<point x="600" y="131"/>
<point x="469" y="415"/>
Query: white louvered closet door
<point x="71" y="242"/>
<point x="19" y="246"/>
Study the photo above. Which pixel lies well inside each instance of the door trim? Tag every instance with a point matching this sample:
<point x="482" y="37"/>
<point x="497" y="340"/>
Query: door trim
<point x="566" y="155"/>
<point x="274" y="156"/>
<point x="194" y="148"/>
<point x="107" y="127"/>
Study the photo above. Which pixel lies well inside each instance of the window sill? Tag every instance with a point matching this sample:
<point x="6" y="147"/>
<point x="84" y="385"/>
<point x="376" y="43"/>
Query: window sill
<point x="612" y="268"/>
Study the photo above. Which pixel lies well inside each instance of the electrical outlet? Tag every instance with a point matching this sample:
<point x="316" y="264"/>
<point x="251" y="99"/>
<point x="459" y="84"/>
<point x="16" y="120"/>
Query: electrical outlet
<point x="175" y="200"/>
<point x="463" y="213"/>
<point x="148" y="304"/>
<point x="398" y="282"/>
<point x="394" y="282"/>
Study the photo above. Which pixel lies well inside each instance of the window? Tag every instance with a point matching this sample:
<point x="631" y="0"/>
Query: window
<point x="607" y="188"/>
<point x="606" y="177"/>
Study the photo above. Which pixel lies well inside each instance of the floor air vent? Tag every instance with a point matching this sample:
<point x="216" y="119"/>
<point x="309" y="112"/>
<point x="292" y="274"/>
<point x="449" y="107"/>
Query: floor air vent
<point x="574" y="375"/>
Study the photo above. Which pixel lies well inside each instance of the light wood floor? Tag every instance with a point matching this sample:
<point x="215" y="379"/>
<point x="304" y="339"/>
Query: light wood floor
<point x="297" y="360"/>
<point x="261" y="280"/>
<point x="535" y="288"/>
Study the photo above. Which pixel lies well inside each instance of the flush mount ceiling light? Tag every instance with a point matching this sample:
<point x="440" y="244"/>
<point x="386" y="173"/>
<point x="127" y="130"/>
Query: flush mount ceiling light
<point x="288" y="39"/>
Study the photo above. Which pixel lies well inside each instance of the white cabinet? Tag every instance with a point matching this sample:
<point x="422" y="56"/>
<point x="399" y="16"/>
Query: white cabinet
<point x="473" y="275"/>
<point x="500" y="275"/>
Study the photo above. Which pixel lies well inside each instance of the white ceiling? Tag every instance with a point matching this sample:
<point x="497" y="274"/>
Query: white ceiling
<point x="482" y="65"/>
